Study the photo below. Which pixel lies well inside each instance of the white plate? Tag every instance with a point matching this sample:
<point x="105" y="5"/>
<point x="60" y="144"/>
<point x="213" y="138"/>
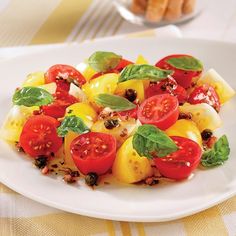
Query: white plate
<point x="123" y="7"/>
<point x="128" y="203"/>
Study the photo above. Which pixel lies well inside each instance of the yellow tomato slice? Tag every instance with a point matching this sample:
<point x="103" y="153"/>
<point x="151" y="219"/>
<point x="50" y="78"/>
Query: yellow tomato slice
<point x="129" y="167"/>
<point x="34" y="79"/>
<point x="136" y="85"/>
<point x="106" y="83"/>
<point x="84" y="111"/>
<point x="187" y="129"/>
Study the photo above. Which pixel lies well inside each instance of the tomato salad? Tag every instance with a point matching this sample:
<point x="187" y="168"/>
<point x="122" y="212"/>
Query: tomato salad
<point x="136" y="121"/>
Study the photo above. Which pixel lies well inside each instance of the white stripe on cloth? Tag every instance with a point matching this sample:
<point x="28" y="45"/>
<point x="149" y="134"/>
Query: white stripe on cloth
<point x="13" y="205"/>
<point x="230" y="223"/>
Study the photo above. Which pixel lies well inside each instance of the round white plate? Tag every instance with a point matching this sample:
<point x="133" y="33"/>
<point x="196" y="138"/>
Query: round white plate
<point x="129" y="203"/>
<point x="123" y="7"/>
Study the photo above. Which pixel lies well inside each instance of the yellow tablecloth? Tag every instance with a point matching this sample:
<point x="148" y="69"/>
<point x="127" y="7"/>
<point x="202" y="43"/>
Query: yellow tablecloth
<point x="32" y="22"/>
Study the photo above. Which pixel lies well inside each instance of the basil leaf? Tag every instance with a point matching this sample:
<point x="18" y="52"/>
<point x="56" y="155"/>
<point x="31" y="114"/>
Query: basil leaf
<point x="104" y="61"/>
<point x="32" y="96"/>
<point x="149" y="141"/>
<point x="218" y="154"/>
<point x="72" y="123"/>
<point x="143" y="72"/>
<point x="116" y="103"/>
<point x="186" y="63"/>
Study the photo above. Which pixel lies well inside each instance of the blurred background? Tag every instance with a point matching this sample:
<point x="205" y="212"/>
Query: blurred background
<point x="29" y="22"/>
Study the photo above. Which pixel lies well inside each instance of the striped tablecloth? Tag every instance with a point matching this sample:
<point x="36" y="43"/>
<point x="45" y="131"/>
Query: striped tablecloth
<point x="33" y="22"/>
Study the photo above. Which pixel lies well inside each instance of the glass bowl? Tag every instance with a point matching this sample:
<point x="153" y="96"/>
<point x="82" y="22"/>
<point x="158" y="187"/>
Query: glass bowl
<point x="122" y="7"/>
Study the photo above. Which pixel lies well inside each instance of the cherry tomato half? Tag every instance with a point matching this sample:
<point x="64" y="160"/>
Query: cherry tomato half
<point x="58" y="108"/>
<point x="65" y="73"/>
<point x="183" y="77"/>
<point x="180" y="164"/>
<point x="39" y="136"/>
<point x="167" y="86"/>
<point x="159" y="110"/>
<point x="205" y="94"/>
<point x="94" y="152"/>
<point x="122" y="64"/>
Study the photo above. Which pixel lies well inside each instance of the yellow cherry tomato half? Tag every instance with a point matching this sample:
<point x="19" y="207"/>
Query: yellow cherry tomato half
<point x="136" y="85"/>
<point x="84" y="111"/>
<point x="129" y="167"/>
<point x="34" y="79"/>
<point x="106" y="83"/>
<point x="185" y="128"/>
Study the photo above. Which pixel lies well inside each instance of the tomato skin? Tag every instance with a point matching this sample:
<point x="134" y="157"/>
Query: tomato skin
<point x="129" y="114"/>
<point x="205" y="94"/>
<point x="183" y="77"/>
<point x="167" y="86"/>
<point x="180" y="164"/>
<point x="93" y="152"/>
<point x="58" y="108"/>
<point x="39" y="136"/>
<point x="122" y="64"/>
<point x="59" y="73"/>
<point x="159" y="110"/>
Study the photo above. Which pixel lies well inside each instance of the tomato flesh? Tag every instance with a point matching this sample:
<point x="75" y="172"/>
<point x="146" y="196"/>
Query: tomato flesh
<point x="122" y="64"/>
<point x="167" y="86"/>
<point x="39" y="136"/>
<point x="61" y="74"/>
<point x="58" y="108"/>
<point x="159" y="110"/>
<point x="205" y="94"/>
<point x="183" y="77"/>
<point x="180" y="164"/>
<point x="94" y="152"/>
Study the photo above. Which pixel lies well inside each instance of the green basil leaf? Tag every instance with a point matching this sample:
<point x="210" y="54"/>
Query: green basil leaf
<point x="116" y="103"/>
<point x="32" y="96"/>
<point x="72" y="123"/>
<point x="186" y="63"/>
<point x="149" y="141"/>
<point x="143" y="72"/>
<point x="218" y="154"/>
<point x="104" y="61"/>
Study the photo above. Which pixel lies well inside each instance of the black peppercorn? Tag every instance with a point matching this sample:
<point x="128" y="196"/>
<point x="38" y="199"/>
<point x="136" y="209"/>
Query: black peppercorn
<point x="91" y="179"/>
<point x="111" y="123"/>
<point x="131" y="94"/>
<point x="41" y="162"/>
<point x="206" y="134"/>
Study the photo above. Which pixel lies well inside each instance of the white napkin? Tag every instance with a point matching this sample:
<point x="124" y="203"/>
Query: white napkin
<point x="162" y="32"/>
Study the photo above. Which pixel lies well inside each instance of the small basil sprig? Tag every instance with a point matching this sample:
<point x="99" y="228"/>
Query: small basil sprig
<point x="149" y="141"/>
<point x="72" y="123"/>
<point x="218" y="154"/>
<point x="185" y="63"/>
<point x="32" y="96"/>
<point x="143" y="72"/>
<point x="116" y="103"/>
<point x="104" y="61"/>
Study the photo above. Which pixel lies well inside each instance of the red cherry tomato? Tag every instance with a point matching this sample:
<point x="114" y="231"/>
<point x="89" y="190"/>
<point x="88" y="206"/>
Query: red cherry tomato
<point x="205" y="94"/>
<point x="93" y="152"/>
<point x="167" y="86"/>
<point x="61" y="73"/>
<point x="39" y="136"/>
<point x="159" y="110"/>
<point x="183" y="77"/>
<point x="180" y="164"/>
<point x="122" y="64"/>
<point x="129" y="114"/>
<point x="58" y="107"/>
